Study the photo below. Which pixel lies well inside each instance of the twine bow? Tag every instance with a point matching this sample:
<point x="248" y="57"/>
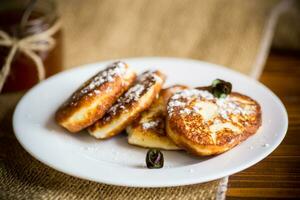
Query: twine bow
<point x="29" y="46"/>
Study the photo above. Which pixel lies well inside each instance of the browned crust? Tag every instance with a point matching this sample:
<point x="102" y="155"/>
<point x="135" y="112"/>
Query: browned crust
<point x="168" y="92"/>
<point x="158" y="130"/>
<point x="154" y="136"/>
<point x="108" y="93"/>
<point x="132" y="107"/>
<point x="201" y="144"/>
<point x="160" y="107"/>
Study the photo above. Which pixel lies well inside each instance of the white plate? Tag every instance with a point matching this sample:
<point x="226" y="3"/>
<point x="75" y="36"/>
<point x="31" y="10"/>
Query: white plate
<point x="114" y="161"/>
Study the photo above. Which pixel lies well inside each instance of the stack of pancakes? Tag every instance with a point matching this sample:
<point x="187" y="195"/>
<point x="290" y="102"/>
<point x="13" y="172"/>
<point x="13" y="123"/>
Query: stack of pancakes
<point x="174" y="118"/>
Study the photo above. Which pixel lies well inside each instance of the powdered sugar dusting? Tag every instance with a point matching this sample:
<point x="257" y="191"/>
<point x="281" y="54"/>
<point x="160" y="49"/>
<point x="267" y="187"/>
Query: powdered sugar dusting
<point x="107" y="75"/>
<point x="186" y="111"/>
<point x="144" y="82"/>
<point x="178" y="100"/>
<point x="226" y="106"/>
<point x="149" y="75"/>
<point x="134" y="93"/>
<point x="151" y="124"/>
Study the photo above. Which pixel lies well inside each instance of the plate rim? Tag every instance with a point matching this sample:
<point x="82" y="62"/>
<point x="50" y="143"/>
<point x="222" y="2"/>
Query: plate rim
<point x="133" y="183"/>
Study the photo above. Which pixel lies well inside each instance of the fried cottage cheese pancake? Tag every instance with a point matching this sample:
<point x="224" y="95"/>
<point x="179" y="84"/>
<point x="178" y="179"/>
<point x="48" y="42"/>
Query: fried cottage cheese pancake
<point x="205" y="125"/>
<point x="149" y="130"/>
<point x="90" y="102"/>
<point x="129" y="106"/>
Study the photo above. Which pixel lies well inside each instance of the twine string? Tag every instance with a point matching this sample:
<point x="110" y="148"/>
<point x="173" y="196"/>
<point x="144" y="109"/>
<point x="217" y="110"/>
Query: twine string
<point x="29" y="46"/>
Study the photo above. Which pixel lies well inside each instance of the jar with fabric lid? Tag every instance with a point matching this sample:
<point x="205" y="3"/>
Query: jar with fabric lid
<point x="30" y="43"/>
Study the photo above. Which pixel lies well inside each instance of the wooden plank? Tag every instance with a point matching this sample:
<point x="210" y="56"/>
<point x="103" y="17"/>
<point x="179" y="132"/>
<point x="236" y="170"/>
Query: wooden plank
<point x="264" y="192"/>
<point x="278" y="175"/>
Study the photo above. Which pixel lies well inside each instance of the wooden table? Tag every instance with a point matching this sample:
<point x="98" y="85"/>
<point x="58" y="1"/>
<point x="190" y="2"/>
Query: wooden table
<point x="278" y="175"/>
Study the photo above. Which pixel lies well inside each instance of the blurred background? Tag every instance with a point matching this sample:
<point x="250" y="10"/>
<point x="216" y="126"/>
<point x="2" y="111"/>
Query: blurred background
<point x="214" y="30"/>
<point x="237" y="34"/>
<point x="39" y="38"/>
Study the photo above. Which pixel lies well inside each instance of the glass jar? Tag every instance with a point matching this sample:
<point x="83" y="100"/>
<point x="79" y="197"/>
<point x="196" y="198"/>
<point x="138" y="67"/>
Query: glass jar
<point x="23" y="70"/>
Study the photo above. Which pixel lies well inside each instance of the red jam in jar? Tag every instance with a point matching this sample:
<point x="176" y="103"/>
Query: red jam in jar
<point x="23" y="70"/>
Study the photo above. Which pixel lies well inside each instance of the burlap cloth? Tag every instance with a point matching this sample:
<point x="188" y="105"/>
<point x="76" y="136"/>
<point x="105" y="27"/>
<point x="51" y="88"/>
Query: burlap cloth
<point x="233" y="33"/>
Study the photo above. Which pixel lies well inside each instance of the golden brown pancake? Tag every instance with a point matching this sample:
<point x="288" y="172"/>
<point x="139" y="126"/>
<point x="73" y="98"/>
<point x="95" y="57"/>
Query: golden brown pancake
<point x="205" y="125"/>
<point x="90" y="102"/>
<point x="149" y="130"/>
<point x="129" y="106"/>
